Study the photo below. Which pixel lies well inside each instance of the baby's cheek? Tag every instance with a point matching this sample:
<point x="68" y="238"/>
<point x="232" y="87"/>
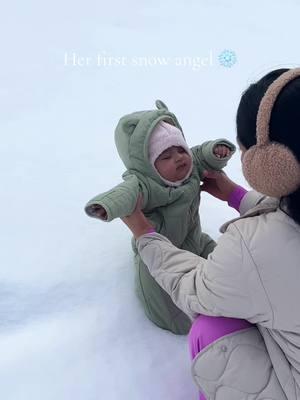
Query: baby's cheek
<point x="189" y="160"/>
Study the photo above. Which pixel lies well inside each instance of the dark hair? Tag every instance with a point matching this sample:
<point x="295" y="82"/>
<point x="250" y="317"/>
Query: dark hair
<point x="284" y="124"/>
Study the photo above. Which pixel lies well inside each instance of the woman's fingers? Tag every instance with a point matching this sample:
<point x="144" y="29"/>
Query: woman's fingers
<point x="217" y="184"/>
<point x="137" y="222"/>
<point x="139" y="203"/>
<point x="208" y="174"/>
<point x="137" y="212"/>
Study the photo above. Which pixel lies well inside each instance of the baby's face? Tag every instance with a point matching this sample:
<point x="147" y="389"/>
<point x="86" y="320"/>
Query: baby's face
<point x="173" y="164"/>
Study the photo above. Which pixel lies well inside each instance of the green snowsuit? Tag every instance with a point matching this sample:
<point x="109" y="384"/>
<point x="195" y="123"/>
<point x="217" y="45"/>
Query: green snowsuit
<point x="174" y="212"/>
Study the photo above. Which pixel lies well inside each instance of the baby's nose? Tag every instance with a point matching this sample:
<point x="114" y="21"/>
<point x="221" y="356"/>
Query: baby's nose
<point x="178" y="156"/>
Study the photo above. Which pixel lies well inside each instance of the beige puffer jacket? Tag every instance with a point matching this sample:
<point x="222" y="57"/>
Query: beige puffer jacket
<point x="254" y="274"/>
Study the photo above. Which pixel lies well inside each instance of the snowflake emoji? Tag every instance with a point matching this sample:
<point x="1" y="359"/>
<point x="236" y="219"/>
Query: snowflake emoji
<point x="227" y="58"/>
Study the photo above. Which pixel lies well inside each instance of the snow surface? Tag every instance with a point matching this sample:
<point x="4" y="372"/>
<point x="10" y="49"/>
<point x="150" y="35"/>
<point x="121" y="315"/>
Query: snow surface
<point x="70" y="324"/>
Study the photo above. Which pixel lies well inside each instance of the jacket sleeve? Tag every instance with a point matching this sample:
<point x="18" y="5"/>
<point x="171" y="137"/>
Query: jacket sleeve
<point x="204" y="157"/>
<point x="226" y="284"/>
<point x="119" y="201"/>
<point x="251" y="200"/>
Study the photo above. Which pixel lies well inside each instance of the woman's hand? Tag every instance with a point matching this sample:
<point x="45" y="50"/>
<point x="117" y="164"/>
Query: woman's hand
<point x="137" y="222"/>
<point x="218" y="184"/>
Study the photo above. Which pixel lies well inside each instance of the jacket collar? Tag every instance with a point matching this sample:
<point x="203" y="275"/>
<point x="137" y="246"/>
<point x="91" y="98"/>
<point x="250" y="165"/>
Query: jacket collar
<point x="269" y="205"/>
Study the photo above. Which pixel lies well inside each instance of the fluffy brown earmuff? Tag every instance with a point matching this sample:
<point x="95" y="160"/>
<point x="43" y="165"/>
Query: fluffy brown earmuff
<point x="270" y="167"/>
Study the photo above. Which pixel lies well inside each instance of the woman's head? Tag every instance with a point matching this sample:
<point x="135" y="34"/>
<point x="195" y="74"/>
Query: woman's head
<point x="285" y="118"/>
<point x="284" y="125"/>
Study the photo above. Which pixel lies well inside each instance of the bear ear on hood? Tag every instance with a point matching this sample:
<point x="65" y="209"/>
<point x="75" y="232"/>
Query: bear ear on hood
<point x="161" y="105"/>
<point x="130" y="125"/>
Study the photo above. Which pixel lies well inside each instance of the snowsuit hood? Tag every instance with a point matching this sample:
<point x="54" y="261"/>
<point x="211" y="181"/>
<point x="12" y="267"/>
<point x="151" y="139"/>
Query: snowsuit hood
<point x="132" y="136"/>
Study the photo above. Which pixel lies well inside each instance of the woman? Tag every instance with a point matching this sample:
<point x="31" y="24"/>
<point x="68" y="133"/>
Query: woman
<point x="250" y="282"/>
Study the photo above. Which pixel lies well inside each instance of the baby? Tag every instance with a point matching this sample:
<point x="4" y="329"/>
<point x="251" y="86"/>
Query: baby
<point x="161" y="167"/>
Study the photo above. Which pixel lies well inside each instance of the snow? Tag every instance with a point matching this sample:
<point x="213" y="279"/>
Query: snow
<point x="70" y="324"/>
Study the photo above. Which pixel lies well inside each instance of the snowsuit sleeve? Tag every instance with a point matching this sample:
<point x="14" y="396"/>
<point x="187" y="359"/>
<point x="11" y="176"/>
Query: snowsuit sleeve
<point x="119" y="201"/>
<point x="204" y="157"/>
<point x="222" y="285"/>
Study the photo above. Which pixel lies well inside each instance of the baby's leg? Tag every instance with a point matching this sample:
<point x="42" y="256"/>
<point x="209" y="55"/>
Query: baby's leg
<point x="158" y="305"/>
<point x="198" y="242"/>
<point x="207" y="245"/>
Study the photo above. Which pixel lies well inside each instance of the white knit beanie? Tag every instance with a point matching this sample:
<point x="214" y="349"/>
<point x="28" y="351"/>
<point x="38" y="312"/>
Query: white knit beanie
<point x="164" y="136"/>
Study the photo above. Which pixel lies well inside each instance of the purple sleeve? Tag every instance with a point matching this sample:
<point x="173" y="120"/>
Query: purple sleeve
<point x="236" y="196"/>
<point x="151" y="230"/>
